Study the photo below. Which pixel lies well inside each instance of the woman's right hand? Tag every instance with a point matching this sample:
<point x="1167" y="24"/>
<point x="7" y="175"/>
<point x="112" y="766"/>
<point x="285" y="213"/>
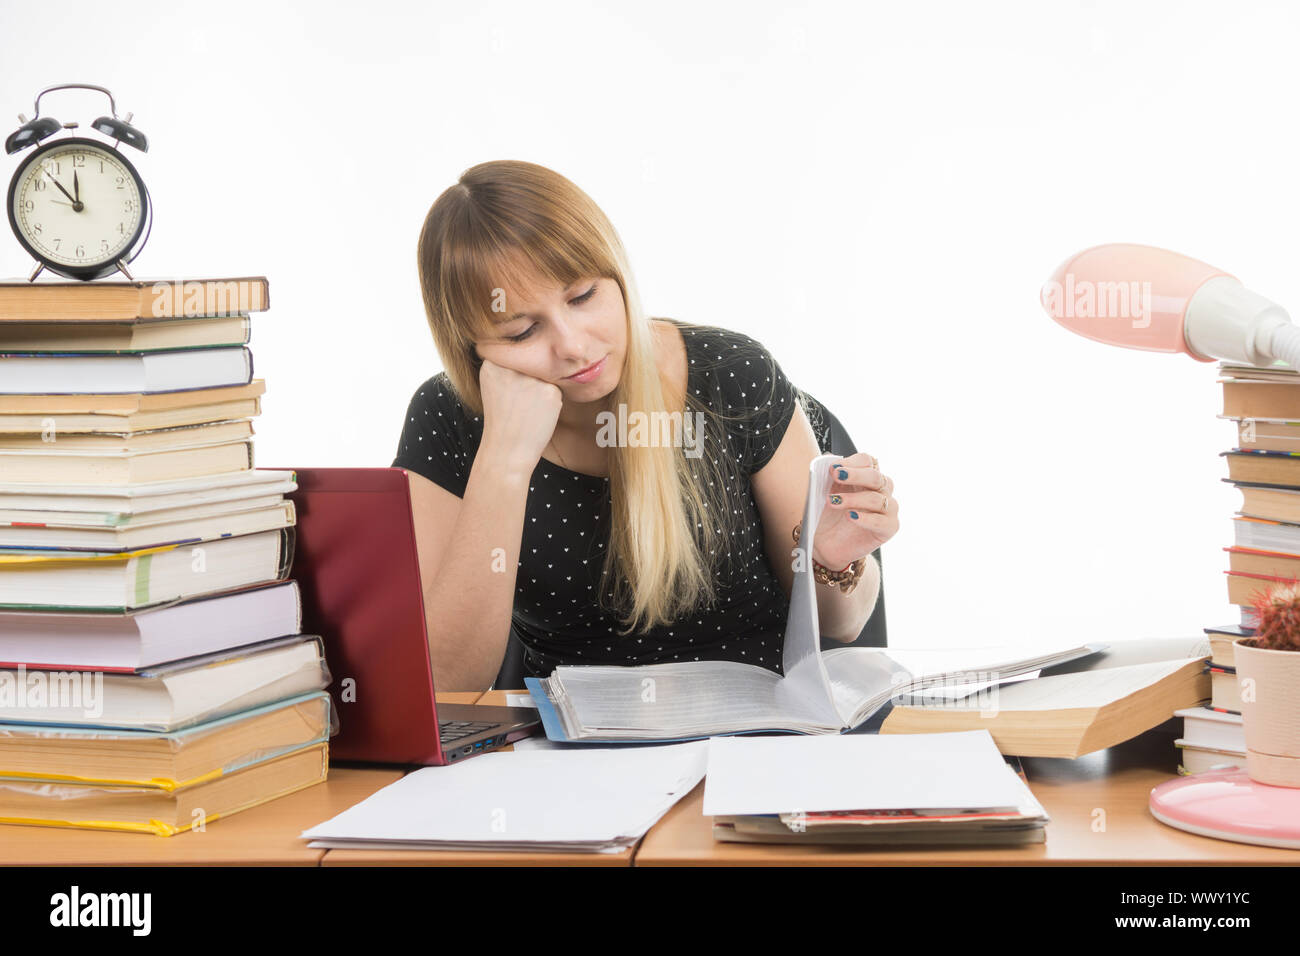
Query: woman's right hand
<point x="519" y="415"/>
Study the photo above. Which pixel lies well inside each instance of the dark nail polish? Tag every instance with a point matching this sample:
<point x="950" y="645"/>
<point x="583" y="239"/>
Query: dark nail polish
<point x="853" y="514"/>
<point x="843" y="474"/>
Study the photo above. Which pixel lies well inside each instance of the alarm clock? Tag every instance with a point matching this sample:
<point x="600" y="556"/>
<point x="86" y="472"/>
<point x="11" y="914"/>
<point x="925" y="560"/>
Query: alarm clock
<point x="76" y="204"/>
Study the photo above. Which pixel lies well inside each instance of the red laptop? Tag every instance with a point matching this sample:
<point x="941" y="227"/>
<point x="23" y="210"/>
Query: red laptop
<point x="358" y="568"/>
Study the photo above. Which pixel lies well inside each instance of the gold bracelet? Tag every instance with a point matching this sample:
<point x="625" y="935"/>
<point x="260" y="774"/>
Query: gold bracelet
<point x="845" y="580"/>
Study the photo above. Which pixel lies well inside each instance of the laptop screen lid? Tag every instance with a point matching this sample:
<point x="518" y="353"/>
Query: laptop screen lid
<point x="358" y="568"/>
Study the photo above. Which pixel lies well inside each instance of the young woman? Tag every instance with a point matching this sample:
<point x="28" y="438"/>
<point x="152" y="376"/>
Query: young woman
<point x="621" y="489"/>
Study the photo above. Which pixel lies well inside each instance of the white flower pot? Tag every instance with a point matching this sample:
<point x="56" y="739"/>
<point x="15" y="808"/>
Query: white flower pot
<point x="1269" y="685"/>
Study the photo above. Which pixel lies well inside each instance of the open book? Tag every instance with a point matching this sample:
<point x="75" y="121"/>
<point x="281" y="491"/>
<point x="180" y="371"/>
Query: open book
<point x="1070" y="714"/>
<point x="821" y="693"/>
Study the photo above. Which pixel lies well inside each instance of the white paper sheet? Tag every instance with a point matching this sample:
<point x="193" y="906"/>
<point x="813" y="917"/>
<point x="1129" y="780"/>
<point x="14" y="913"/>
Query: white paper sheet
<point x="515" y="800"/>
<point x="748" y="775"/>
<point x="806" y="687"/>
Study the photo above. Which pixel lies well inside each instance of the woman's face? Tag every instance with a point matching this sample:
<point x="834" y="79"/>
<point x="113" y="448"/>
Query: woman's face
<point x="552" y="332"/>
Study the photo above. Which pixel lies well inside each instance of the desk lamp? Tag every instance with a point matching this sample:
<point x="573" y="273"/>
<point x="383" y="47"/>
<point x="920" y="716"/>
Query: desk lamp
<point x="1142" y="297"/>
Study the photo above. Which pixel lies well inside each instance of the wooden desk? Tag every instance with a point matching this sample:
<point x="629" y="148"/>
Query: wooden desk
<point x="1097" y="805"/>
<point x="265" y="835"/>
<point x="497" y="698"/>
<point x="459" y="697"/>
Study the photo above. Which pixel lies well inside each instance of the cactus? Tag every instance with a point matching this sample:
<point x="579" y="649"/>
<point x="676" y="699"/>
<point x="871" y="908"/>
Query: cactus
<point x="1279" y="618"/>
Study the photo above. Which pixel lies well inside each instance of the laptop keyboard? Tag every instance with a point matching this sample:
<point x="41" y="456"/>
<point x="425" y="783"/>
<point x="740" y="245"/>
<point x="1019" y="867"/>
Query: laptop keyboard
<point x="453" y="730"/>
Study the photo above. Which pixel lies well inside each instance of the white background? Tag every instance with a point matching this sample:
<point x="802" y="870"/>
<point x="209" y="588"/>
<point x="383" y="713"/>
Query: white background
<point x="874" y="191"/>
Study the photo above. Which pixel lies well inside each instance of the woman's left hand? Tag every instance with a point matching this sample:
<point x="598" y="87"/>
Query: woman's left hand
<point x="861" y="512"/>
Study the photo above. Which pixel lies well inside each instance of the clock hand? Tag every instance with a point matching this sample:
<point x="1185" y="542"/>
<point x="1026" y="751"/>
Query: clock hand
<point x="60" y="185"/>
<point x="76" y="187"/>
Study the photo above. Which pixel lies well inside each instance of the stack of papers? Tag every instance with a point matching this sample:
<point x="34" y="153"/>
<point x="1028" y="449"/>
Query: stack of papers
<point x="596" y="800"/>
<point x="918" y="788"/>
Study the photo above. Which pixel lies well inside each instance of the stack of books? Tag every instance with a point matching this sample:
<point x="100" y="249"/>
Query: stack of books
<point x="1264" y="464"/>
<point x="1264" y="404"/>
<point x="152" y="673"/>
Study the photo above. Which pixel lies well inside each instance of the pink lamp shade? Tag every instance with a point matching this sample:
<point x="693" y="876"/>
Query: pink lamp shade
<point x="1129" y="295"/>
<point x="1141" y="297"/>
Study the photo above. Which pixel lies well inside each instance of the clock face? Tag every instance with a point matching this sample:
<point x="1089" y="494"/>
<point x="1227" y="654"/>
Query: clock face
<point x="77" y="204"/>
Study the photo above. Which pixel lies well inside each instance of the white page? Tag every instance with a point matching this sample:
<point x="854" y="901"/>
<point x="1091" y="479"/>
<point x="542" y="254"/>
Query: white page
<point x="690" y="697"/>
<point x="940" y="694"/>
<point x="415" y="845"/>
<point x="944" y="660"/>
<point x="961" y="770"/>
<point x="1141" y="650"/>
<point x="536" y="796"/>
<point x="806" y="685"/>
<point x="872" y="676"/>
<point x="1084" y="689"/>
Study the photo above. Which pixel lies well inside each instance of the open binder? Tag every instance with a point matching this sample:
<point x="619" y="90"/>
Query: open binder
<point x="821" y="692"/>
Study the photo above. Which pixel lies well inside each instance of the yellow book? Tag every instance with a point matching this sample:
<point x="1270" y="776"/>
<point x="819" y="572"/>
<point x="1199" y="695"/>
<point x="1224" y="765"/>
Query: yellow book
<point x="156" y="810"/>
<point x="163" y="760"/>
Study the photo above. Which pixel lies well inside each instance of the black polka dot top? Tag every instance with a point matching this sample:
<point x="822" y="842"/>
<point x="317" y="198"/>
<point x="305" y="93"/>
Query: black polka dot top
<point x="566" y="523"/>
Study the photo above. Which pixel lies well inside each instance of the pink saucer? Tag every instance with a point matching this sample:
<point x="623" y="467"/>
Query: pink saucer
<point x="1228" y="805"/>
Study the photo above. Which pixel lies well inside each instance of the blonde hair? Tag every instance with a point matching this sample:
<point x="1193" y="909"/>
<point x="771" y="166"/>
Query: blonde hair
<point x="503" y="224"/>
